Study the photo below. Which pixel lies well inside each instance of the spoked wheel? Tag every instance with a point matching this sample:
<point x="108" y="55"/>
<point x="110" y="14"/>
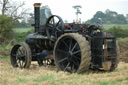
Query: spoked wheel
<point x="72" y="53"/>
<point x="21" y="55"/>
<point x="55" y="27"/>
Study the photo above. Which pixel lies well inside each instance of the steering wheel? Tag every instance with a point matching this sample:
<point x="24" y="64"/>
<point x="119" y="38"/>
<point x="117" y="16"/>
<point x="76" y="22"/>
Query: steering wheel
<point x="55" y="27"/>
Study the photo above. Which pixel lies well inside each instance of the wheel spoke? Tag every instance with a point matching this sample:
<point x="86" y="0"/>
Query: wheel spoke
<point x="21" y="51"/>
<point x="17" y="62"/>
<point x="75" y="63"/>
<point x="18" y="55"/>
<point x="78" y="51"/>
<point x="78" y="58"/>
<point x="58" y="23"/>
<point x="62" y="60"/>
<point x="24" y="51"/>
<point x="70" y="45"/>
<point x="72" y="68"/>
<point x="65" y="44"/>
<point x="74" y="46"/>
<point x="53" y="21"/>
<point x="20" y="64"/>
<point x="66" y="66"/>
<point x="61" y="51"/>
<point x="58" y="29"/>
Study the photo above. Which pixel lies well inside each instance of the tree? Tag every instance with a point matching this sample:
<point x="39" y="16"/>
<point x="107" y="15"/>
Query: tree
<point x="6" y="25"/>
<point x="13" y="9"/>
<point x="11" y="12"/>
<point x="98" y="17"/>
<point x="121" y="19"/>
<point x="127" y="17"/>
<point x="21" y="24"/>
<point x="109" y="17"/>
<point x="4" y="6"/>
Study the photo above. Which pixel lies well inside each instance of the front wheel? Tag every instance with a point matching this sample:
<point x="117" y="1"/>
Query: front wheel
<point x="21" y="55"/>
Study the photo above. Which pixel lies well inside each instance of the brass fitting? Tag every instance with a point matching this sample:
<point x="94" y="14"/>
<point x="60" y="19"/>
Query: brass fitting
<point x="37" y="4"/>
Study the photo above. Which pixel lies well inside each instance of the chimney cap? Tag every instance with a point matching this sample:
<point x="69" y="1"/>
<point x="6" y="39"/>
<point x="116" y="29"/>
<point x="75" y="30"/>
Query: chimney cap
<point x="37" y="4"/>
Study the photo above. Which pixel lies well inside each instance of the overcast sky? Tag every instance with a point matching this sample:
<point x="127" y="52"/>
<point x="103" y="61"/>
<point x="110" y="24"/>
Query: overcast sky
<point x="64" y="8"/>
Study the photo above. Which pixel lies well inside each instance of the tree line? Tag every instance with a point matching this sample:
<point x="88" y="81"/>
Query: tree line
<point x="109" y="17"/>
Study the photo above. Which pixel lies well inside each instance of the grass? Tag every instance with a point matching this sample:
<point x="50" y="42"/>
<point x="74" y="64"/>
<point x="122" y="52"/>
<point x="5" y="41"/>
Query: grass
<point x="21" y="33"/>
<point x="44" y="78"/>
<point x="22" y="30"/>
<point x="21" y="80"/>
<point x="107" y="83"/>
<point x="123" y="39"/>
<point x="36" y="75"/>
<point x="108" y="26"/>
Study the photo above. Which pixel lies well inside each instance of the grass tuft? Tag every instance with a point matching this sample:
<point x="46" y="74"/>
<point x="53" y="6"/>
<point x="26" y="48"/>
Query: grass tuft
<point x="44" y="78"/>
<point x="22" y="80"/>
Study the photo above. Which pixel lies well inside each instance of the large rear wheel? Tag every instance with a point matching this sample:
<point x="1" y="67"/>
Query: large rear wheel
<point x="72" y="53"/>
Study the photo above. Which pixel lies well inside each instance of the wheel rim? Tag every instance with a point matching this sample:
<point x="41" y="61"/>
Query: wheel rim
<point x="68" y="54"/>
<point x="18" y="56"/>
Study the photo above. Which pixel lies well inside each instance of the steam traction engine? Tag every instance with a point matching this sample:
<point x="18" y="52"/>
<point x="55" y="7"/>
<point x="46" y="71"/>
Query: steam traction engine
<point x="71" y="47"/>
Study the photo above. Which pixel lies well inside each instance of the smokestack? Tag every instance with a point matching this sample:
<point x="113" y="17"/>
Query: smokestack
<point x="37" y="16"/>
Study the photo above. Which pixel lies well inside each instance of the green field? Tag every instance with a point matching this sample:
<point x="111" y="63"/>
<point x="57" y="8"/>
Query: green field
<point x="108" y="26"/>
<point x="21" y="30"/>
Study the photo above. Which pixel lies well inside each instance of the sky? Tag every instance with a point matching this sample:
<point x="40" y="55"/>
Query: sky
<point x="64" y="8"/>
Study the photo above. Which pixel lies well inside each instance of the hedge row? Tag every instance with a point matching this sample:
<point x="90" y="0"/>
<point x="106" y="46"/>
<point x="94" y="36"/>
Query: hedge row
<point x="118" y="31"/>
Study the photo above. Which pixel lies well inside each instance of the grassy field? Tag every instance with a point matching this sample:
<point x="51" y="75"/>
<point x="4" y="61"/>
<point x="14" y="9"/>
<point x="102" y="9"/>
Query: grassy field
<point x="22" y="30"/>
<point x="108" y="26"/>
<point x="123" y="39"/>
<point x="36" y="75"/>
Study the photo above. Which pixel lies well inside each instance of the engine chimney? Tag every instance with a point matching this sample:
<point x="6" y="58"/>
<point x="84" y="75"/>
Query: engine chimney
<point x="37" y="16"/>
